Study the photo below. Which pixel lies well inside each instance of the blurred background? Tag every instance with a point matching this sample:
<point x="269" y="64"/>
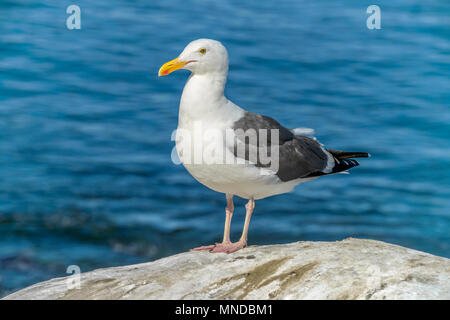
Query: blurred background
<point x="86" y="176"/>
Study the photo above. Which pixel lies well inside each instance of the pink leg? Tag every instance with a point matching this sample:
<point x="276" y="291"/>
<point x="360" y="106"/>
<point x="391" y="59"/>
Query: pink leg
<point x="250" y="206"/>
<point x="226" y="233"/>
<point x="228" y="216"/>
<point x="229" y="247"/>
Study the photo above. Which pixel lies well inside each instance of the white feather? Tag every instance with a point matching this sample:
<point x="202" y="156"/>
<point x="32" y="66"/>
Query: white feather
<point x="309" y="132"/>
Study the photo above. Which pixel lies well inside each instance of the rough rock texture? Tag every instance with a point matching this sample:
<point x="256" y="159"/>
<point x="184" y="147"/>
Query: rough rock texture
<point x="349" y="269"/>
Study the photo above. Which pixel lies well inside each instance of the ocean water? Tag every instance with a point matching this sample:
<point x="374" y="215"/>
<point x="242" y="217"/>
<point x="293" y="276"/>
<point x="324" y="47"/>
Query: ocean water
<point x="86" y="176"/>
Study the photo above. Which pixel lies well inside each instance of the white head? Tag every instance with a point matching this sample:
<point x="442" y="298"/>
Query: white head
<point x="201" y="56"/>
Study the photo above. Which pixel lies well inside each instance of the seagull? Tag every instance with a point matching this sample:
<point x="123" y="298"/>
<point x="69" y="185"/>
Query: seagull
<point x="237" y="152"/>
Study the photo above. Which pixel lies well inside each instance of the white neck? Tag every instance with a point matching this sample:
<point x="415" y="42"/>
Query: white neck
<point x="203" y="97"/>
<point x="207" y="87"/>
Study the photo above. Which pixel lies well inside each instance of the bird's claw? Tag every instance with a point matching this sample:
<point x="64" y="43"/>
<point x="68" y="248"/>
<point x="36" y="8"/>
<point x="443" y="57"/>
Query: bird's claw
<point x="222" y="247"/>
<point x="210" y="247"/>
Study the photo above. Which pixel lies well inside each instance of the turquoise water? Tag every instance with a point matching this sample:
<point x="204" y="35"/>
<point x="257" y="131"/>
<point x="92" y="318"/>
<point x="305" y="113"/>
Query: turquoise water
<point x="86" y="176"/>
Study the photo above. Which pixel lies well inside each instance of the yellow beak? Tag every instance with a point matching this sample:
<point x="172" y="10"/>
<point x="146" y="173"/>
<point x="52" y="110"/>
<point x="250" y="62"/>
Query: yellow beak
<point x="171" y="66"/>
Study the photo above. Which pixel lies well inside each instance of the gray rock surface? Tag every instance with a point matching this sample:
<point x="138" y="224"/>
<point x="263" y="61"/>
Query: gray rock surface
<point x="348" y="269"/>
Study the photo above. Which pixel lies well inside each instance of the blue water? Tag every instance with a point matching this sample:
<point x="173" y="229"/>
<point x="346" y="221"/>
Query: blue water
<point x="86" y="176"/>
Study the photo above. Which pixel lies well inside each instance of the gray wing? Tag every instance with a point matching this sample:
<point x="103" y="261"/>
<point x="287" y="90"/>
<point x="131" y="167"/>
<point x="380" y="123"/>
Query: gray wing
<point x="299" y="156"/>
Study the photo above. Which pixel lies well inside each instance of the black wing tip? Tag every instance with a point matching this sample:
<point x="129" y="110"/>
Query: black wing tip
<point x="363" y="155"/>
<point x="350" y="162"/>
<point x="340" y="166"/>
<point x="341" y="155"/>
<point x="344" y="165"/>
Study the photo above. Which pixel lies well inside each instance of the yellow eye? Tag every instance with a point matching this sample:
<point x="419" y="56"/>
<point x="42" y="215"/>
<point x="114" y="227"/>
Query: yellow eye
<point x="202" y="50"/>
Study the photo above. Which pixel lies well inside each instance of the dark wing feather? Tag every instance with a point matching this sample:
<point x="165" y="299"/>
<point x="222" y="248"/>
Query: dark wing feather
<point x="299" y="156"/>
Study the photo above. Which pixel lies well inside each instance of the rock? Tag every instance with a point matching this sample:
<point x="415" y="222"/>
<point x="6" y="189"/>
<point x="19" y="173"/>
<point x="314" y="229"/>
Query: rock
<point x="349" y="269"/>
